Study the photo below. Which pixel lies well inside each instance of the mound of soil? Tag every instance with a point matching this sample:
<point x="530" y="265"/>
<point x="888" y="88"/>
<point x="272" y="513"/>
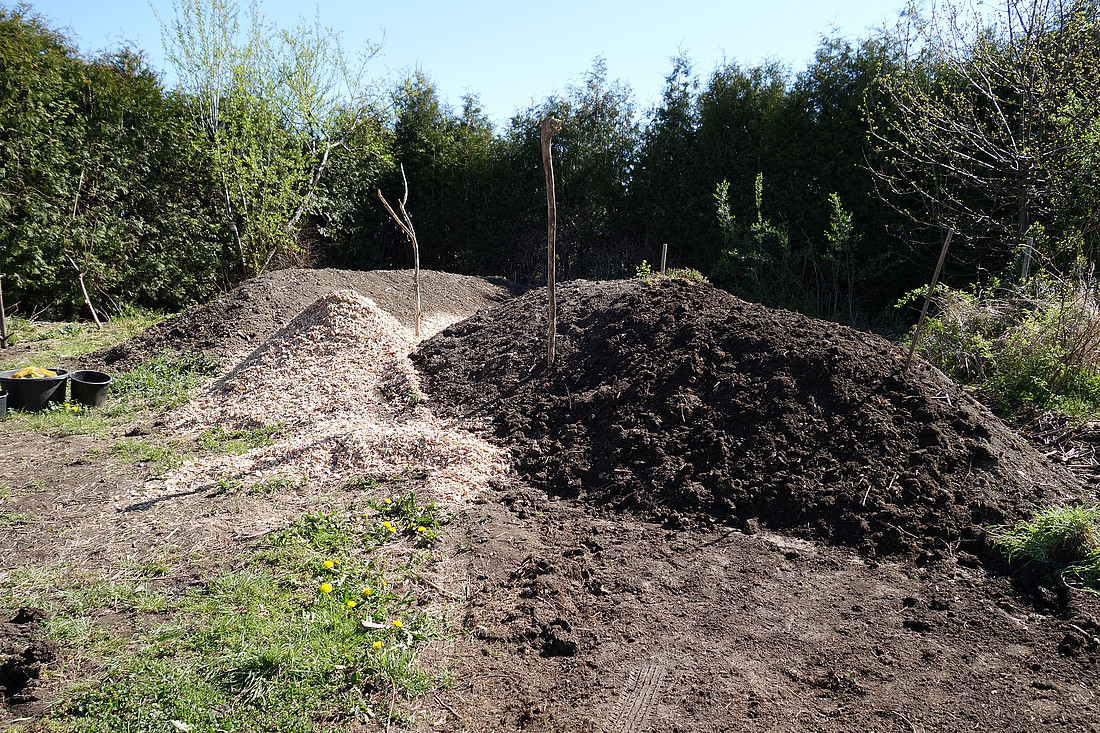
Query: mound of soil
<point x="679" y="400"/>
<point x="249" y="314"/>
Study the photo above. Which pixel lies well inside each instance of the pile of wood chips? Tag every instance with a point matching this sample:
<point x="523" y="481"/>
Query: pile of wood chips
<point x="339" y="382"/>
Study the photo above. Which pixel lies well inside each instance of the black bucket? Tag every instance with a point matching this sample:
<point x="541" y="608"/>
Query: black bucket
<point x="32" y="394"/>
<point x="90" y="388"/>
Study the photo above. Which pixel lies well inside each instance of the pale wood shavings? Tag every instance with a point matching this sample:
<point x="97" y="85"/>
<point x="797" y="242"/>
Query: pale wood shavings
<point x="338" y="375"/>
<point x="328" y="359"/>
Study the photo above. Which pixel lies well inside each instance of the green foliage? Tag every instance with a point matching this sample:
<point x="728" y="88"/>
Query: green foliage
<point x="235" y="442"/>
<point x="404" y="516"/>
<point x="1065" y="538"/>
<point x="1032" y="344"/>
<point x="164" y="381"/>
<point x="272" y="151"/>
<point x="272" y="105"/>
<point x="646" y="273"/>
<point x="142" y="451"/>
<point x="97" y="177"/>
<point x="979" y="130"/>
<point x="758" y="262"/>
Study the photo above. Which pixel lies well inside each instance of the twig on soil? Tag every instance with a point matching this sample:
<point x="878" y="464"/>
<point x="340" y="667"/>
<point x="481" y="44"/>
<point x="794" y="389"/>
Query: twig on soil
<point x="449" y="708"/>
<point x="430" y="584"/>
<point x="912" y="727"/>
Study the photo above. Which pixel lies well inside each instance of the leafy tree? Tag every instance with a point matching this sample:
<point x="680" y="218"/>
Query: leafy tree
<point x="594" y="155"/>
<point x="96" y="174"/>
<point x="665" y="192"/>
<point x="976" y="141"/>
<point x="274" y="104"/>
<point x="38" y="129"/>
<point x="356" y="233"/>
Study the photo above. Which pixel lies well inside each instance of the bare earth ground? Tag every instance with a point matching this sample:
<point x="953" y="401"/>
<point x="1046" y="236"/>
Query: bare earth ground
<point x="721" y="518"/>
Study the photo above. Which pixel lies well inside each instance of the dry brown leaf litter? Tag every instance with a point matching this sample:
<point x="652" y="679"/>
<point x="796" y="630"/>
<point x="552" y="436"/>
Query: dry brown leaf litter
<point x="339" y="378"/>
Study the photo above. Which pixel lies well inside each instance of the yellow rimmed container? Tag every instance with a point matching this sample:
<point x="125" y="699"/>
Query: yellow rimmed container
<point x="33" y="393"/>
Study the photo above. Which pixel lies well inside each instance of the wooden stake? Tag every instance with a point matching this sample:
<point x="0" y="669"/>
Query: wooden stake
<point x="87" y="300"/>
<point x="407" y="227"/>
<point x="550" y="126"/>
<point x="3" y="316"/>
<point x="664" y="254"/>
<point x="928" y="299"/>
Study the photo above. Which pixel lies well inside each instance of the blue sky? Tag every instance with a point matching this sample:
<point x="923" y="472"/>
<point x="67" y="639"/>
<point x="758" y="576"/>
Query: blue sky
<point x="512" y="53"/>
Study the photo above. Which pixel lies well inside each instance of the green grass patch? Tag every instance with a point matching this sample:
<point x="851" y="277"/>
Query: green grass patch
<point x="66" y="418"/>
<point x="235" y="442"/>
<point x="15" y="520"/>
<point x="320" y="629"/>
<point x="142" y="451"/>
<point x="163" y="382"/>
<point x="404" y="517"/>
<point x="275" y="485"/>
<point x="59" y="341"/>
<point x="1065" y="538"/>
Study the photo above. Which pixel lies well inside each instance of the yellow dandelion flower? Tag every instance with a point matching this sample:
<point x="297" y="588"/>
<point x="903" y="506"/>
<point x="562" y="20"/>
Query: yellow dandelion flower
<point x="397" y="623"/>
<point x="328" y="564"/>
<point x="335" y="562"/>
<point x="367" y="592"/>
<point x="350" y="604"/>
<point x="377" y="645"/>
<point x="387" y="525"/>
<point x="421" y="529"/>
<point x="388" y="501"/>
<point x="326" y="588"/>
<point x="393" y="529"/>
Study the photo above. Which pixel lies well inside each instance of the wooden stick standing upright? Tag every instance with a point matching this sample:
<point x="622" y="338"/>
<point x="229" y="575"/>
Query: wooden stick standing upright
<point x="550" y="126"/>
<point x="407" y="227"/>
<point x="928" y="299"/>
<point x="3" y="315"/>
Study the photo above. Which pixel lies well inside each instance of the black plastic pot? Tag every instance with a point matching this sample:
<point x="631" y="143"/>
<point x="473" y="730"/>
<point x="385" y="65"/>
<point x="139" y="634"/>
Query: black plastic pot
<point x="3" y="404"/>
<point x="33" y="394"/>
<point x="89" y="387"/>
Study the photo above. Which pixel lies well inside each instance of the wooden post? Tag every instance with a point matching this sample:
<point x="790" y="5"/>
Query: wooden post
<point x="664" y="254"/>
<point x="928" y="299"/>
<point x="407" y="227"/>
<point x="3" y="315"/>
<point x="550" y="126"/>
<point x="1026" y="270"/>
<point x="87" y="300"/>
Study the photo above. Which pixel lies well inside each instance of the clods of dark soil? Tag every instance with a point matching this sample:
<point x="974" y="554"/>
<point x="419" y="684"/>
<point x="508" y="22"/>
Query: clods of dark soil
<point x="23" y="655"/>
<point x="680" y="401"/>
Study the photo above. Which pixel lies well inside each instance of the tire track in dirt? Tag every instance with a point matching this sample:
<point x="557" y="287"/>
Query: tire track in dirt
<point x="631" y="712"/>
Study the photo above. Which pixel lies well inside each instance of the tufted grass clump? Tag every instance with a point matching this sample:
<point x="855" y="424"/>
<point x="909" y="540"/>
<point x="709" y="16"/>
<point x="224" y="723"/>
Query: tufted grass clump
<point x="1065" y="538"/>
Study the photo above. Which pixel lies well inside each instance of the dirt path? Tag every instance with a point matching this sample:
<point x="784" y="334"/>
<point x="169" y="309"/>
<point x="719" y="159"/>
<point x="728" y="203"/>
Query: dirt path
<point x="606" y="623"/>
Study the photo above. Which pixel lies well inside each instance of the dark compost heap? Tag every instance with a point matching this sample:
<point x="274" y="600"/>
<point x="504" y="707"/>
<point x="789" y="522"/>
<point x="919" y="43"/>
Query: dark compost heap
<point x="678" y="400"/>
